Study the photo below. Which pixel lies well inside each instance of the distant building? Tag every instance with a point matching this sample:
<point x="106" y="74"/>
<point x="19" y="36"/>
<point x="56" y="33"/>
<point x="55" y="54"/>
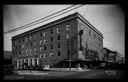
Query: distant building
<point x="111" y="56"/>
<point x="7" y="54"/>
<point x="71" y="37"/>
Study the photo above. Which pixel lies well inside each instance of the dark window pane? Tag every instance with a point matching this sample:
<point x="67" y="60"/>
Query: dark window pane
<point x="40" y="34"/>
<point x="51" y="31"/>
<point x="51" y="46"/>
<point x="51" y="38"/>
<point x="45" y="47"/>
<point x="68" y="53"/>
<point x="58" y="37"/>
<point x="89" y="31"/>
<point x="59" y="53"/>
<point x="58" y="45"/>
<point x="23" y="39"/>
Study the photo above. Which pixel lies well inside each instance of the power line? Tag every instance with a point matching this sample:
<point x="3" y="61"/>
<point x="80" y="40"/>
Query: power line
<point x="32" y="23"/>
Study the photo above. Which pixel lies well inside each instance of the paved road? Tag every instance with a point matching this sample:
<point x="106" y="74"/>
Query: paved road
<point x="93" y="74"/>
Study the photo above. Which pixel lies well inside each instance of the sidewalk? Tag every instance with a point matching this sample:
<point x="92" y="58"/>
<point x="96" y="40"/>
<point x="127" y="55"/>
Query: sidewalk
<point x="67" y="69"/>
<point x="36" y="72"/>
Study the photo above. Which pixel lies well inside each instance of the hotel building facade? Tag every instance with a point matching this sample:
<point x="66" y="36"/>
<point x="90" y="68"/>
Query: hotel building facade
<point x="71" y="37"/>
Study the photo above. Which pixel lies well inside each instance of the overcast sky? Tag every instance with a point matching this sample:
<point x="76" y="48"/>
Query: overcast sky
<point x="108" y="19"/>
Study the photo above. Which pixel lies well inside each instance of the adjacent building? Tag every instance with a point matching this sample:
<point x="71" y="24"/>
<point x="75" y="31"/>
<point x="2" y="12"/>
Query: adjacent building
<point x="111" y="56"/>
<point x="71" y="37"/>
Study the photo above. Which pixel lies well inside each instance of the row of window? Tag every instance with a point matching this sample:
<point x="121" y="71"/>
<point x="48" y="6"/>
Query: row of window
<point x="95" y="36"/>
<point x="35" y="43"/>
<point x="41" y="55"/>
<point x="42" y="34"/>
<point x="41" y="49"/>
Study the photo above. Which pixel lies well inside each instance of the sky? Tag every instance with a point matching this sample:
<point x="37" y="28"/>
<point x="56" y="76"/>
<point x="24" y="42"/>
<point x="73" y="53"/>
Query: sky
<point x="108" y="19"/>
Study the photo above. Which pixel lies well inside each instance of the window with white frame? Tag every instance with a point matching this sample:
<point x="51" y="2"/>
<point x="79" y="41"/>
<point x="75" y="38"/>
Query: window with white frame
<point x="40" y="42"/>
<point x="51" y="54"/>
<point x="67" y="27"/>
<point x="40" y="55"/>
<point x="58" y="30"/>
<point x="67" y="36"/>
<point x="44" y="41"/>
<point x="30" y="38"/>
<point x="44" y="55"/>
<point x="41" y="48"/>
<point x="44" y="34"/>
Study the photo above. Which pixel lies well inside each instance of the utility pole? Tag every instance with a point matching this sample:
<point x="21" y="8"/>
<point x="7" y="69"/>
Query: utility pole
<point x="69" y="56"/>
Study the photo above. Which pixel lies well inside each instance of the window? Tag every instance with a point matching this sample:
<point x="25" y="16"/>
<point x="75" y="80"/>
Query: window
<point x="44" y="55"/>
<point x="67" y="36"/>
<point x="30" y="50"/>
<point x="23" y="39"/>
<point x="94" y="35"/>
<point x="51" y="46"/>
<point x="58" y="30"/>
<point x="35" y="43"/>
<point x="59" y="53"/>
<point x="44" y="41"/>
<point x="34" y="36"/>
<point x="41" y="48"/>
<point x="45" y="47"/>
<point x="40" y="55"/>
<point x="58" y="37"/>
<point x="99" y="44"/>
<point x="22" y="46"/>
<point x="51" y="31"/>
<point x="68" y="53"/>
<point x="51" y="54"/>
<point x="19" y="46"/>
<point x="51" y="38"/>
<point x="23" y="52"/>
<point x="26" y="51"/>
<point x="89" y="32"/>
<point x="15" y="42"/>
<point x="35" y="54"/>
<point x="44" y="34"/>
<point x="27" y="44"/>
<point x="30" y="38"/>
<point x="19" y="40"/>
<point x="67" y="27"/>
<point x="35" y="49"/>
<point x="26" y="39"/>
<point x="40" y="42"/>
<point x="82" y="26"/>
<point x="41" y="34"/>
<point x="58" y="45"/>
<point x="99" y="38"/>
<point x="68" y="43"/>
<point x="30" y="43"/>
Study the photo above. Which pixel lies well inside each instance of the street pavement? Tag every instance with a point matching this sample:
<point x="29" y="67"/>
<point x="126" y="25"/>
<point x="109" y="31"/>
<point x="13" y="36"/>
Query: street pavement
<point x="90" y="74"/>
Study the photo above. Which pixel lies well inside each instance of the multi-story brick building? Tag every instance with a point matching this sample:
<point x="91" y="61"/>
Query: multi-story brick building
<point x="71" y="37"/>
